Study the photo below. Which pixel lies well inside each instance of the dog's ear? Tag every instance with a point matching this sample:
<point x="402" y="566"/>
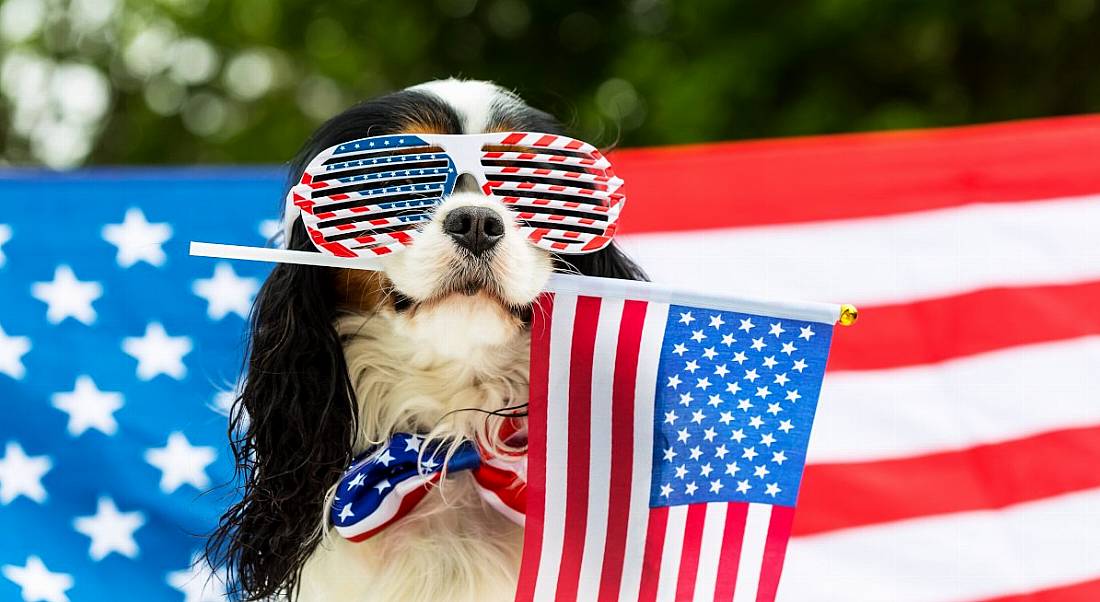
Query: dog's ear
<point x="609" y="262"/>
<point x="291" y="431"/>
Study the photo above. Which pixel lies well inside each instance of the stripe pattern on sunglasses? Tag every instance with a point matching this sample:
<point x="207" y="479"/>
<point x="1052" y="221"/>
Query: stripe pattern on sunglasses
<point x="367" y="197"/>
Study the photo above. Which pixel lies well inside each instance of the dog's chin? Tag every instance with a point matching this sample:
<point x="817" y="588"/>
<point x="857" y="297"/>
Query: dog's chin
<point x="487" y="286"/>
<point x="470" y="290"/>
<point x="508" y="283"/>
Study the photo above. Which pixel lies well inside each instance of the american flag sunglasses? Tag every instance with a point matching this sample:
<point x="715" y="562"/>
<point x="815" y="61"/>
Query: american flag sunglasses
<point x="372" y="196"/>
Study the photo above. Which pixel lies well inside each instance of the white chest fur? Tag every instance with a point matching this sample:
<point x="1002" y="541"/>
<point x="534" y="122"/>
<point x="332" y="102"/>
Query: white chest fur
<point x="423" y="372"/>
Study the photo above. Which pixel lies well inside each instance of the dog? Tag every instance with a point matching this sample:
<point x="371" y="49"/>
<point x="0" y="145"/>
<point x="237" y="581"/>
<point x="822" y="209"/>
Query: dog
<point x="436" y="343"/>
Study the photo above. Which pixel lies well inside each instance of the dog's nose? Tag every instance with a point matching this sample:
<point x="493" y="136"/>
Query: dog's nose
<point x="475" y="229"/>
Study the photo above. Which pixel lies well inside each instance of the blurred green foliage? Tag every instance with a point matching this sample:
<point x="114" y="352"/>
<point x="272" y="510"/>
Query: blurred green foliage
<point x="213" y="81"/>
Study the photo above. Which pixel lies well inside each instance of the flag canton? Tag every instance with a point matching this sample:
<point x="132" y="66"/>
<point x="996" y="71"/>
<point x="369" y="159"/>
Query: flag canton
<point x="736" y="395"/>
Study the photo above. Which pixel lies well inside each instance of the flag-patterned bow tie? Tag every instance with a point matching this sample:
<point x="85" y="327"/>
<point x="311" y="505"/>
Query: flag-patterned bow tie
<point x="385" y="484"/>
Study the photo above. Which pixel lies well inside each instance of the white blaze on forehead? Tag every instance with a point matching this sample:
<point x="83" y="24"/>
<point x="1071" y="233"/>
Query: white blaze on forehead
<point x="472" y="100"/>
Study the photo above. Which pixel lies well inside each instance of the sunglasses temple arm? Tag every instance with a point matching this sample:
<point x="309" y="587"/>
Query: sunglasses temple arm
<point x="220" y="251"/>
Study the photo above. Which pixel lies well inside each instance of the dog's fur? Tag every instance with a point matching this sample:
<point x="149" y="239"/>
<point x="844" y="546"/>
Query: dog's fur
<point x="341" y="359"/>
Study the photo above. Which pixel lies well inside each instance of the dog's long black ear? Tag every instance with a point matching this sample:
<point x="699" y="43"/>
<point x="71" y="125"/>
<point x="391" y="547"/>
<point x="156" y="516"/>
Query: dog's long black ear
<point x="291" y="432"/>
<point x="610" y="262"/>
<point x="292" y="427"/>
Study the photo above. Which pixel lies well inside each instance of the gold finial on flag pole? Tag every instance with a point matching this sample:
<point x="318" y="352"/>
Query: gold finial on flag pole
<point x="848" y="314"/>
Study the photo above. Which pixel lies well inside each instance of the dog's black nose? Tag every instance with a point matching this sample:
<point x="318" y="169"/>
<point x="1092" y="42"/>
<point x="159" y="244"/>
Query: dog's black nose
<point x="475" y="229"/>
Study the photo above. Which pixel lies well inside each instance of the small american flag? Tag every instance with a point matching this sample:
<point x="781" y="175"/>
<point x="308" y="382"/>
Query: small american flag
<point x="667" y="446"/>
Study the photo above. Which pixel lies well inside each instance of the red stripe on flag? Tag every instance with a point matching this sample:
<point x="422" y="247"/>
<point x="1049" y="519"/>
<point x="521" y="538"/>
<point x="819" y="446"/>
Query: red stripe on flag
<point x="689" y="557"/>
<point x="859" y="175"/>
<point x="622" y="439"/>
<point x="539" y="389"/>
<point x="580" y="417"/>
<point x="934" y="330"/>
<point x="839" y="496"/>
<point x="732" y="538"/>
<point x="502" y="484"/>
<point x="775" y="549"/>
<point x="1077" y="592"/>
<point x="654" y="548"/>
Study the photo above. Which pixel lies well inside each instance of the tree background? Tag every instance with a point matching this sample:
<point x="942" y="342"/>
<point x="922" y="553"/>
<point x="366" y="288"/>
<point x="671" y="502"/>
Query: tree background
<point x="245" y="81"/>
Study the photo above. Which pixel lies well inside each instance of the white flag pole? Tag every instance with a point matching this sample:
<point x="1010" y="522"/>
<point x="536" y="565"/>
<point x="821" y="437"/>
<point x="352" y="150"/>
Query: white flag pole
<point x="826" y="313"/>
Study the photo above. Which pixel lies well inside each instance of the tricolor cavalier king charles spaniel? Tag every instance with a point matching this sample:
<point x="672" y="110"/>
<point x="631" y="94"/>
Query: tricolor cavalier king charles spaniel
<point x="435" y="344"/>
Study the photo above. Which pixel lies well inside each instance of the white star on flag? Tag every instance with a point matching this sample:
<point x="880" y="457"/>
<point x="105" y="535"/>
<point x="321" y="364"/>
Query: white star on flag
<point x="181" y="463"/>
<point x="36" y="582"/>
<point x="198" y="583"/>
<point x="110" y="530"/>
<point x="21" y="475"/>
<point x="12" y="350"/>
<point x="137" y="239"/>
<point x="270" y="228"/>
<point x="226" y="292"/>
<point x="88" y="407"/>
<point x="158" y="353"/>
<point x="67" y="297"/>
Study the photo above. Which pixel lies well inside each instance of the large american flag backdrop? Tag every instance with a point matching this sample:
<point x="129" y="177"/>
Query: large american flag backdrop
<point x="958" y="433"/>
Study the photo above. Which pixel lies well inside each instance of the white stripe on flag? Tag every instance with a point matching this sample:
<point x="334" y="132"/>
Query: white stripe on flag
<point x="897" y="258"/>
<point x="599" y="473"/>
<point x="653" y="334"/>
<point x="960" y="403"/>
<point x="670" y="555"/>
<point x="964" y="556"/>
<point x="557" y="445"/>
<point x="752" y="552"/>
<point x="710" y="551"/>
